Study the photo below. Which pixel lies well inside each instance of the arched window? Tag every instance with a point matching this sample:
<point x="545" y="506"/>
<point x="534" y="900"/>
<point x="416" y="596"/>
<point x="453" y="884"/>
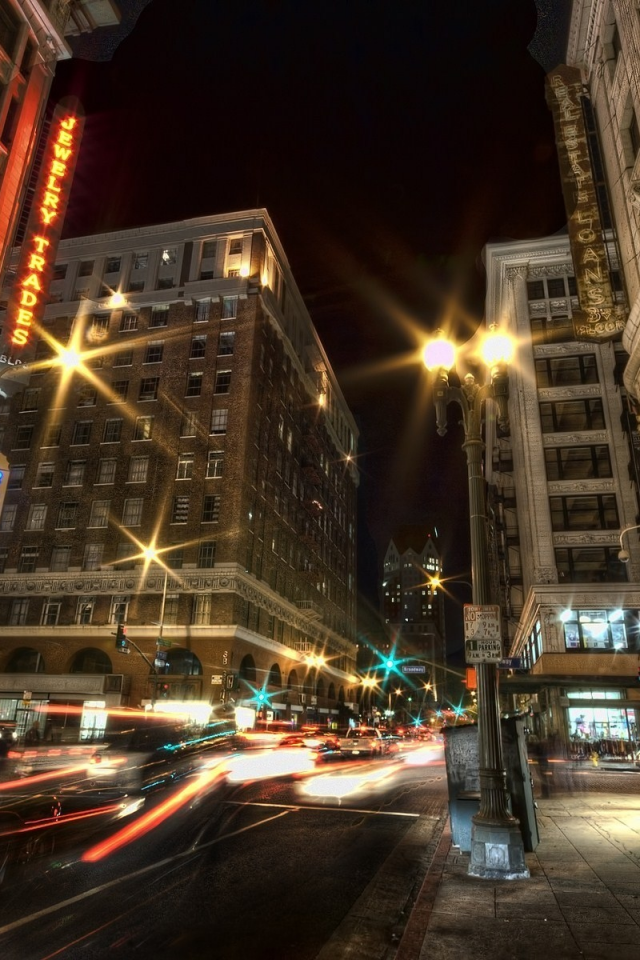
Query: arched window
<point x="310" y="681"/>
<point x="25" y="660"/>
<point x="331" y="692"/>
<point x="247" y="669"/>
<point x="91" y="660"/>
<point x="183" y="662"/>
<point x="292" y="682"/>
<point x="275" y="676"/>
<point x="320" y="687"/>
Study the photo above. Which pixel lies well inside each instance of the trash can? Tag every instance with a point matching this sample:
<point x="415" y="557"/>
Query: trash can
<point x="463" y="779"/>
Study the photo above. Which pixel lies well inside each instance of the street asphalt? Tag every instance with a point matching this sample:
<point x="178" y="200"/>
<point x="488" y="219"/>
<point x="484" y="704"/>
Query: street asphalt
<point x="582" y="899"/>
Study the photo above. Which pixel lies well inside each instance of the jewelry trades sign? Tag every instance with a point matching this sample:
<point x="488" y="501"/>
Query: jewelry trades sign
<point x="600" y="317"/>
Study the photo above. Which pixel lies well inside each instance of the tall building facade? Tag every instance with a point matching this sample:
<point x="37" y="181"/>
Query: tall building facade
<point x="192" y="477"/>
<point x="562" y="492"/>
<point x="32" y="39"/>
<point x="412" y="604"/>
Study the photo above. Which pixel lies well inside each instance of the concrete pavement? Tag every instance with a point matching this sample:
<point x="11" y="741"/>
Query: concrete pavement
<point x="582" y="900"/>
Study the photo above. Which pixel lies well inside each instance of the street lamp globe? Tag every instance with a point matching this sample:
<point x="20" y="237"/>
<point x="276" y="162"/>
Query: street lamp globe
<point x="439" y="353"/>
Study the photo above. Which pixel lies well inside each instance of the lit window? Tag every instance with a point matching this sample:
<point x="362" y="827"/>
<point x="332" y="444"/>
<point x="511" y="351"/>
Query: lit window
<point x="229" y="308"/>
<point x="219" y="422"/>
<point x="37" y="516"/>
<point x="215" y="463"/>
<point x="106" y="471"/>
<point x="138" y="469"/>
<point x="99" y="513"/>
<point x="189" y="425"/>
<point x="185" y="466"/>
<point x="132" y="512"/>
<point x="143" y="428"/>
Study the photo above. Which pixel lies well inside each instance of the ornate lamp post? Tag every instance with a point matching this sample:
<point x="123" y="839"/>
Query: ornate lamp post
<point x="497" y="849"/>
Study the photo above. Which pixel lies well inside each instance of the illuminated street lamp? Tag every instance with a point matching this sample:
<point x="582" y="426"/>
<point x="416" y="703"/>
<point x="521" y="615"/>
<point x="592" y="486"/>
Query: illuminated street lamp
<point x="497" y="848"/>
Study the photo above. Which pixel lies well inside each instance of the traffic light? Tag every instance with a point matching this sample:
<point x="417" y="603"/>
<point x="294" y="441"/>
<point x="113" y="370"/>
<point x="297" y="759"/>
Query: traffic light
<point x="122" y="644"/>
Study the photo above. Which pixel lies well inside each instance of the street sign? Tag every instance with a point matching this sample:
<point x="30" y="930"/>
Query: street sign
<point x="217" y="678"/>
<point x="161" y="642"/>
<point x="413" y="668"/>
<point x="482" y="635"/>
<point x="510" y="663"/>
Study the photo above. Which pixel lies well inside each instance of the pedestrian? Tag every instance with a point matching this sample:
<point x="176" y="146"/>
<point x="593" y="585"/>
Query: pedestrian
<point x="32" y="735"/>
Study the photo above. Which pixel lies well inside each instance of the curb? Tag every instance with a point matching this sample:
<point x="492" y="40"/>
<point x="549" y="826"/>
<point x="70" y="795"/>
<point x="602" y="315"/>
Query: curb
<point x="415" y="930"/>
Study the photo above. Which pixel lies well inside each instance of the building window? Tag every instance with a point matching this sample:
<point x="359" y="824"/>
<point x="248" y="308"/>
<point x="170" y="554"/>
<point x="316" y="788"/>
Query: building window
<point x="87" y="396"/>
<point x="595" y="512"/>
<point x="106" y="471"/>
<point x="136" y="286"/>
<point x="219" y="420"/>
<point x="119" y="391"/>
<point x="143" y="428"/>
<point x="166" y="283"/>
<point x="226" y="343"/>
<point x="211" y="508"/>
<point x="189" y="425"/>
<point x="44" y="476"/>
<point x="202" y="310"/>
<point x="112" y="265"/>
<point x="123" y="359"/>
<point x="67" y="515"/>
<point x="99" y="513"/>
<point x="551" y="330"/>
<point x="566" y="371"/>
<point x="229" y="308"/>
<point x="81" y="432"/>
<point x="60" y="559"/>
<point x="577" y="463"/>
<point x="149" y="388"/>
<point x="207" y="554"/>
<point x="74" y="474"/>
<point x="595" y="630"/>
<point x="235" y="246"/>
<point x="215" y="463"/>
<point x="223" y="381"/>
<point x="180" y="510"/>
<point x="86" y="268"/>
<point x="84" y="609"/>
<point x="185" y="466"/>
<point x="589" y="565"/>
<point x="208" y="249"/>
<point x="168" y="256"/>
<point x="154" y="351"/>
<point x="27" y="560"/>
<point x="23" y="438"/>
<point x="140" y="261"/>
<point x="112" y="431"/>
<point x="30" y="400"/>
<point x="52" y="435"/>
<point x="132" y="512"/>
<point x="171" y="608"/>
<point x="159" y="316"/>
<point x="92" y="559"/>
<point x="129" y="322"/>
<point x="125" y="552"/>
<point x="572" y="415"/>
<point x="59" y="271"/>
<point x="16" y="477"/>
<point x="201" y="609"/>
<point x="99" y="327"/>
<point x="198" y="347"/>
<point x="138" y="469"/>
<point x="50" y="612"/>
<point x="37" y="516"/>
<point x="19" y="611"/>
<point x="119" y="609"/>
<point x="556" y="287"/>
<point x="194" y="385"/>
<point x="175" y="558"/>
<point x="535" y="290"/>
<point x="8" y="518"/>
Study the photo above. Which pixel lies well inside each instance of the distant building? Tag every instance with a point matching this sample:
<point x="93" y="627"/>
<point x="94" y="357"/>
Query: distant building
<point x="205" y="423"/>
<point x="412" y="604"/>
<point x="562" y="495"/>
<point x="32" y="39"/>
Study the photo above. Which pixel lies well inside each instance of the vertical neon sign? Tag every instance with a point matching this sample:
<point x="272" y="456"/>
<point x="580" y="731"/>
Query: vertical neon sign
<point x="44" y="227"/>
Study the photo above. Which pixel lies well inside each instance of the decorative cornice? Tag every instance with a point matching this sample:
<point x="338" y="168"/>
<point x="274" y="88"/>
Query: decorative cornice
<point x="600" y="537"/>
<point x="586" y="486"/>
<point x="577" y="392"/>
<point x="562" y="349"/>
<point x="571" y="439"/>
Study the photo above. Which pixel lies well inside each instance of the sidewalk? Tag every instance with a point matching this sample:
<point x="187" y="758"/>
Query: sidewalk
<point x="582" y="900"/>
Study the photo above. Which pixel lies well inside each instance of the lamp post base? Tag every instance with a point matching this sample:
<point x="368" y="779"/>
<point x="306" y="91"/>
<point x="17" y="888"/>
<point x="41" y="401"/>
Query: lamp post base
<point x="497" y="851"/>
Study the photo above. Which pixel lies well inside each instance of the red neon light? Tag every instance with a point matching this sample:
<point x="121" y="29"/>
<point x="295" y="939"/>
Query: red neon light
<point x="45" y="223"/>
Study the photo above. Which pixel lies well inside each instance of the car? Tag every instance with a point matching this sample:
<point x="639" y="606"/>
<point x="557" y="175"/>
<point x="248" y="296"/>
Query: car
<point x="154" y="754"/>
<point x="322" y="748"/>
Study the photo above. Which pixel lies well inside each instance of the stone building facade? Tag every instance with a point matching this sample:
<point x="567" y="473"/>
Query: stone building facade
<point x="563" y="497"/>
<point x="192" y="477"/>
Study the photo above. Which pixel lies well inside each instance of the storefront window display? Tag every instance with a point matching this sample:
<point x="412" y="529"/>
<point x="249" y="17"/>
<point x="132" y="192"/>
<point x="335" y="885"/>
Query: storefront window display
<point x="596" y="629"/>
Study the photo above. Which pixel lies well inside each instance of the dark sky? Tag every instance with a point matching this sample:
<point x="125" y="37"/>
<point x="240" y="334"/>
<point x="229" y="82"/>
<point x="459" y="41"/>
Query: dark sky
<point x="389" y="141"/>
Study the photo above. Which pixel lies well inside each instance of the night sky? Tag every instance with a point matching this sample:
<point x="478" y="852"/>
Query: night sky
<point x="388" y="139"/>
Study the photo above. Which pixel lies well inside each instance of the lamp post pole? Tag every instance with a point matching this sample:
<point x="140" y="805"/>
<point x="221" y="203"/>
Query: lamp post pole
<point x="497" y="848"/>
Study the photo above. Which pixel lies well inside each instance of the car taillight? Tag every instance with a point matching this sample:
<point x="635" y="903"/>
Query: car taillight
<point x="96" y="758"/>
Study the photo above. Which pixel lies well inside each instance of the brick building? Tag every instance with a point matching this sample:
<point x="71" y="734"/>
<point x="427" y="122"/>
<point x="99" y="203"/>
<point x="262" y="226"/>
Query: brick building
<point x="193" y="478"/>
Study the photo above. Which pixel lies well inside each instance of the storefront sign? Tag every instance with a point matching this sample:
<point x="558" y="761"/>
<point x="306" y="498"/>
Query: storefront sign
<point x="44" y="226"/>
<point x="600" y="317"/>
